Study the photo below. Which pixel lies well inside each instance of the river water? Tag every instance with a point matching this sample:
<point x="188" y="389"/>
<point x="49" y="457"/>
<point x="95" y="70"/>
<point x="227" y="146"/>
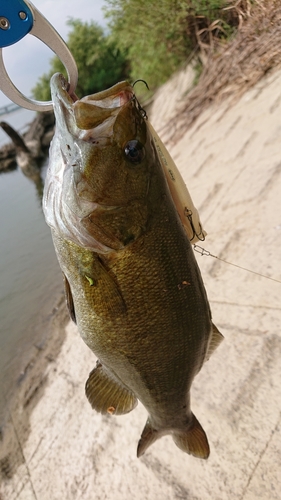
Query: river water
<point x="30" y="278"/>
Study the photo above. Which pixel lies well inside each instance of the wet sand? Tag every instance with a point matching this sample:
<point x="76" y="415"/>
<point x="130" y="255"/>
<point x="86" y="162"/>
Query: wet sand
<point x="55" y="447"/>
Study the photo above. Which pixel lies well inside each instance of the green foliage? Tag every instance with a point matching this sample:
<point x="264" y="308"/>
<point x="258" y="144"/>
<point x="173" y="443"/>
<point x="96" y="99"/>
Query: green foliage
<point x="152" y="33"/>
<point x="147" y="40"/>
<point x="203" y="6"/>
<point x="100" y="63"/>
<point x="160" y="36"/>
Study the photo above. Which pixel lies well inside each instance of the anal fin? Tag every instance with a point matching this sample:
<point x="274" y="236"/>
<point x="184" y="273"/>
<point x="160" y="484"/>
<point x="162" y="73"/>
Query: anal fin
<point x="193" y="440"/>
<point x="107" y="394"/>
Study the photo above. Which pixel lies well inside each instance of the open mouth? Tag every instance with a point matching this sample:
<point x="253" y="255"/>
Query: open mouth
<point x="93" y="110"/>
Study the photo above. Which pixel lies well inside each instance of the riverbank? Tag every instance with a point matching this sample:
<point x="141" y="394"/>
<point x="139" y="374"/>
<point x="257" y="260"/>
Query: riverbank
<point x="16" y="427"/>
<point x="58" y="448"/>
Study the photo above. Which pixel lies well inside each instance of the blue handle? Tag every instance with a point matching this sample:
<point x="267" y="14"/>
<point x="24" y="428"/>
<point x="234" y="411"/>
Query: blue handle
<point x="16" y="20"/>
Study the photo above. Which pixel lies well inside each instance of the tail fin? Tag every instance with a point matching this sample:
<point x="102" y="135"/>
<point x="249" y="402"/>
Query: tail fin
<point x="148" y="437"/>
<point x="193" y="441"/>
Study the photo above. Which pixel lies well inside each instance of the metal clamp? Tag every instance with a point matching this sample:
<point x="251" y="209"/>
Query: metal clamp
<point x="17" y="19"/>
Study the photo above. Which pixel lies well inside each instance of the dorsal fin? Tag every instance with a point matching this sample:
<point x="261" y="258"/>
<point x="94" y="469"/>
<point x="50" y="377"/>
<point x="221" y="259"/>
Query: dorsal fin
<point x="215" y="340"/>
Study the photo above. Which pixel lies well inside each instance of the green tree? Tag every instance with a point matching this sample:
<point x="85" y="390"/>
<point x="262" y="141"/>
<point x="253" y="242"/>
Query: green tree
<point x="159" y="36"/>
<point x="151" y="33"/>
<point x="100" y="63"/>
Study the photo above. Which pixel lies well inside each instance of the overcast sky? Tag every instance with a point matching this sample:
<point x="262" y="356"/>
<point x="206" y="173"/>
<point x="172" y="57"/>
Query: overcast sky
<point x="28" y="59"/>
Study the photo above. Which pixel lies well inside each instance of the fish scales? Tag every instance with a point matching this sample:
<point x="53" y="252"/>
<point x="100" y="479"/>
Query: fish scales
<point x="132" y="282"/>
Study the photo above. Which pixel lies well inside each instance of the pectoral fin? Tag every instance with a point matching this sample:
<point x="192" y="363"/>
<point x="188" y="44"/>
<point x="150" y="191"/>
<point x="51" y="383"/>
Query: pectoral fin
<point x="69" y="299"/>
<point x="107" y="394"/>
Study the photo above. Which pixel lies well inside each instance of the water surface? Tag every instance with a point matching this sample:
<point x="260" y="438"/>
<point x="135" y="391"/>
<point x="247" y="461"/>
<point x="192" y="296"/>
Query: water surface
<point x="30" y="278"/>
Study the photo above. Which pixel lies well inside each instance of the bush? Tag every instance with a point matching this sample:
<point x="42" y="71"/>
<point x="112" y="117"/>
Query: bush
<point x="159" y="36"/>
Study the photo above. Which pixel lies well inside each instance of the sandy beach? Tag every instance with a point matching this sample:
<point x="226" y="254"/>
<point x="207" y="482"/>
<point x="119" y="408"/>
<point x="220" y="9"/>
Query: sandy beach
<point x="55" y="447"/>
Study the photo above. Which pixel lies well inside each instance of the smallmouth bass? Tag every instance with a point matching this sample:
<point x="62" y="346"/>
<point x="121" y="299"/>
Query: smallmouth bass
<point x="132" y="282"/>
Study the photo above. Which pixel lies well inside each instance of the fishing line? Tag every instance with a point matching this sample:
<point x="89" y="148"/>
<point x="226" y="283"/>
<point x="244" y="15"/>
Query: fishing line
<point x="22" y="455"/>
<point x="202" y="251"/>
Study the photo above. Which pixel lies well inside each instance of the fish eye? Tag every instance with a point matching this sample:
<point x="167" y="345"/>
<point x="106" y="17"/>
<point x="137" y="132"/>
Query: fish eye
<point x="134" y="151"/>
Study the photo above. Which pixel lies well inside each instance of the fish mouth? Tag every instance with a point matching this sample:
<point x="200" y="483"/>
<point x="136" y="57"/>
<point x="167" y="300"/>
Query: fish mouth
<point x="92" y="116"/>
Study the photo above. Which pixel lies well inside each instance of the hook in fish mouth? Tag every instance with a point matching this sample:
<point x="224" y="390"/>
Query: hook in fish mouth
<point x="140" y="108"/>
<point x="140" y="80"/>
<point x="92" y="110"/>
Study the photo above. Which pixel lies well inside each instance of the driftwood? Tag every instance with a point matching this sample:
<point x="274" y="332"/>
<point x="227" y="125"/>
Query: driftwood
<point x="27" y="150"/>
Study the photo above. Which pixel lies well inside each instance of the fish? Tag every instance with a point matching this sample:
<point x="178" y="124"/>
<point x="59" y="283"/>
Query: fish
<point x="132" y="283"/>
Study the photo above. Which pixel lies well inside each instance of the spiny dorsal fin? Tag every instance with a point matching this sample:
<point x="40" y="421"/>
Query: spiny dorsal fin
<point x="107" y="394"/>
<point x="215" y="340"/>
<point x="194" y="440"/>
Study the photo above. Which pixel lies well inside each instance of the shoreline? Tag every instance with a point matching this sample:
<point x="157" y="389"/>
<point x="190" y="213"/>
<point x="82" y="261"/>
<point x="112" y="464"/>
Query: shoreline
<point x="30" y="387"/>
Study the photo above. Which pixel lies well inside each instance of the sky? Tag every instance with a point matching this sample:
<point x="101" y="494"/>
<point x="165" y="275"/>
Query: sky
<point x="28" y="59"/>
